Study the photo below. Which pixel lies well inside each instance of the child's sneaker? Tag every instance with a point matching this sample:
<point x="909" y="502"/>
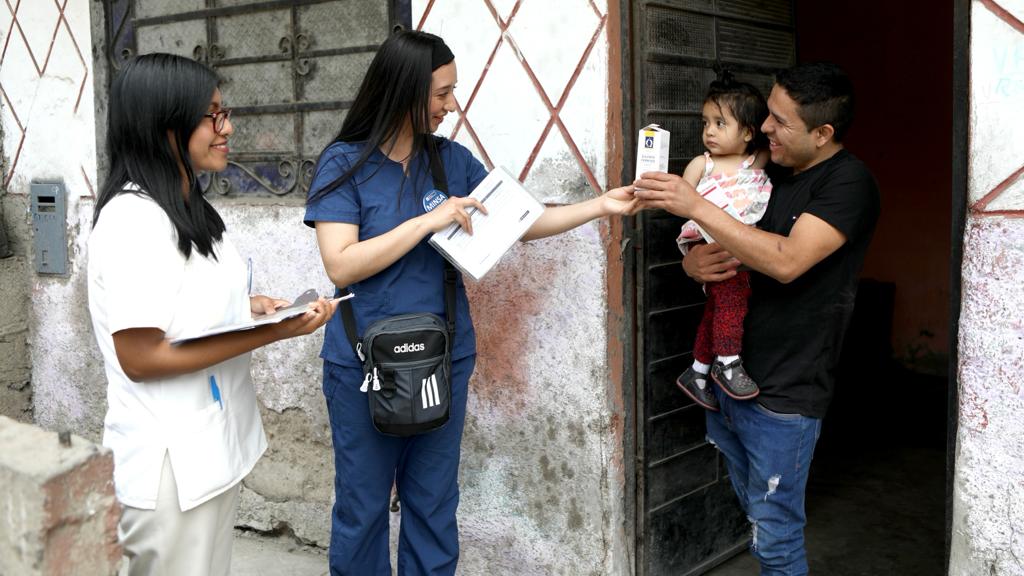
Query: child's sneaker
<point x="739" y="385"/>
<point x="687" y="382"/>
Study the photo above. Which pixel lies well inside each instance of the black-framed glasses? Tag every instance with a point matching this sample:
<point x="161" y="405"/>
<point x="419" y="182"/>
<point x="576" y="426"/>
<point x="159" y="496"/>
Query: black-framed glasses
<point x="219" y="118"/>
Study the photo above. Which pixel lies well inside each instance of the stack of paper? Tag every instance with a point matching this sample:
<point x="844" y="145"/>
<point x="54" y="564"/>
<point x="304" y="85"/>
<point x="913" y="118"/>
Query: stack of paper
<point x="511" y="210"/>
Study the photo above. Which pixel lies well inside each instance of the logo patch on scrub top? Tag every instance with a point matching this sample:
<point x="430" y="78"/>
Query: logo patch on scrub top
<point x="433" y="199"/>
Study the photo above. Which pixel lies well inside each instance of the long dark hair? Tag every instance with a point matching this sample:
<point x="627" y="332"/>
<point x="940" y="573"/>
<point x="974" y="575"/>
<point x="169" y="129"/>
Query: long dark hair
<point x="745" y="101"/>
<point x="151" y="96"/>
<point x="396" y="87"/>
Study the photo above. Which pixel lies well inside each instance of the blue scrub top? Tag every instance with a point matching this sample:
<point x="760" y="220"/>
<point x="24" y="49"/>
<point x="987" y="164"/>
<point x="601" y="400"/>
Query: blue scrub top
<point x="370" y="199"/>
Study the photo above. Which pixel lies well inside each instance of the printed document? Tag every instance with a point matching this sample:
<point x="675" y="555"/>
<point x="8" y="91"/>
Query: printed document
<point x="511" y="210"/>
<point x="299" y="306"/>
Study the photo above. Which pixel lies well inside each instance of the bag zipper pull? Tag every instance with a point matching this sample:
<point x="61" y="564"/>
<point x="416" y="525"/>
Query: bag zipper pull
<point x="366" y="383"/>
<point x="376" y="380"/>
<point x="359" y="352"/>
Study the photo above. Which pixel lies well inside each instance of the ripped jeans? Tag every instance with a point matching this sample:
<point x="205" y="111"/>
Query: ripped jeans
<point x="768" y="456"/>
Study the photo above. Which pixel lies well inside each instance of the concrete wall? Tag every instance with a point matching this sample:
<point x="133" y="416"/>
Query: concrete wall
<point x="988" y="490"/>
<point x="542" y="477"/>
<point x="47" y="111"/>
<point x="15" y="366"/>
<point x="58" y="512"/>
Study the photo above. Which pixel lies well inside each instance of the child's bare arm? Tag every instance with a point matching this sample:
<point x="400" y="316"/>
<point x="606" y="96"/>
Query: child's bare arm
<point x="694" y="170"/>
<point x="760" y="159"/>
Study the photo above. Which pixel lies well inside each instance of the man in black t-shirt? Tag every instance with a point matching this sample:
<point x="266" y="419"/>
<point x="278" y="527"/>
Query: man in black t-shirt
<point x="806" y="255"/>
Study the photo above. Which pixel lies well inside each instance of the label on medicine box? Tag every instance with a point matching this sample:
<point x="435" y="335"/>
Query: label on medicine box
<point x="652" y="150"/>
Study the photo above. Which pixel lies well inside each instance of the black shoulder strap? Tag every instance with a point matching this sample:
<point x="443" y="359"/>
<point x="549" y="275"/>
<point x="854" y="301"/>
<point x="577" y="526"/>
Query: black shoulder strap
<point x="450" y="275"/>
<point x="348" y="315"/>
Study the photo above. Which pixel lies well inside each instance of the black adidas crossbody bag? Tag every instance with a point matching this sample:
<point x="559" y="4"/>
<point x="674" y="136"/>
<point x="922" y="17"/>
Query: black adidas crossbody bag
<point x="407" y="359"/>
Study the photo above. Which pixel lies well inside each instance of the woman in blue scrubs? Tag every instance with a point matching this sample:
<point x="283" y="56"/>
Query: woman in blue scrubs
<point x="373" y="204"/>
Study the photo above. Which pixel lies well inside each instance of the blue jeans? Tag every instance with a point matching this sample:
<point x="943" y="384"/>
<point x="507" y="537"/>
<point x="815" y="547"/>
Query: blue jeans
<point x="425" y="468"/>
<point x="768" y="456"/>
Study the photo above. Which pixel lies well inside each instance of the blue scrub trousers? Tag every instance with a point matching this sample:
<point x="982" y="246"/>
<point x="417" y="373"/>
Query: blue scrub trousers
<point x="366" y="463"/>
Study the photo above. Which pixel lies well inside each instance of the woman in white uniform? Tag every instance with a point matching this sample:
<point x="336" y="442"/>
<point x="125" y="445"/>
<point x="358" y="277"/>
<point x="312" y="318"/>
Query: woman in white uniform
<point x="182" y="420"/>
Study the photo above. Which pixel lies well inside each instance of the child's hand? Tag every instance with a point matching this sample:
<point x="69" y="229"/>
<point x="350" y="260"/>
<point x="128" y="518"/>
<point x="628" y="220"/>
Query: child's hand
<point x="688" y="233"/>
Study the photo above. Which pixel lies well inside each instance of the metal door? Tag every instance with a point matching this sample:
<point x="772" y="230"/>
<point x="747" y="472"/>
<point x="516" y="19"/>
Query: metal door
<point x="688" y="519"/>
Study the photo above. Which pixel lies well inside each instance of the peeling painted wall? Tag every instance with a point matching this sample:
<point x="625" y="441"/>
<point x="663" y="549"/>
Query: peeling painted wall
<point x="542" y="483"/>
<point x="47" y="113"/>
<point x="988" y="521"/>
<point x="988" y="509"/>
<point x="538" y="439"/>
<point x="542" y="458"/>
<point x="292" y="487"/>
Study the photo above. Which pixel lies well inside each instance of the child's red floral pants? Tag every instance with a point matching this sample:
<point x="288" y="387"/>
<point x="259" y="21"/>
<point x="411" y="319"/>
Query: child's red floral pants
<point x="721" y="328"/>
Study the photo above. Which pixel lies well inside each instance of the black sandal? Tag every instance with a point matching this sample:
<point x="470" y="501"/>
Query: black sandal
<point x="687" y="382"/>
<point x="740" y="386"/>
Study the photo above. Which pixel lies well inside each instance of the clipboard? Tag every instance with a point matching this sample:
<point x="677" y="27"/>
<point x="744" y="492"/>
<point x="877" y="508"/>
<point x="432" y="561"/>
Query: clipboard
<point x="297" y="307"/>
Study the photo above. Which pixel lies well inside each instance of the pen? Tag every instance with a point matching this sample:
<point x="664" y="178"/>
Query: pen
<point x="249" y="273"/>
<point x="215" y="391"/>
<point x="340" y="298"/>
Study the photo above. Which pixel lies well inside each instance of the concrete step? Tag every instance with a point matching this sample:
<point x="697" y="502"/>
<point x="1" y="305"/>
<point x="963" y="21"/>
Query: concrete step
<point x="261" y="556"/>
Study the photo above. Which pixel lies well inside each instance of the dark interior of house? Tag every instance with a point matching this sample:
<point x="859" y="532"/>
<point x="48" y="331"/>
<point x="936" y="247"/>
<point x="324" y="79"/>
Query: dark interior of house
<point x="876" y="497"/>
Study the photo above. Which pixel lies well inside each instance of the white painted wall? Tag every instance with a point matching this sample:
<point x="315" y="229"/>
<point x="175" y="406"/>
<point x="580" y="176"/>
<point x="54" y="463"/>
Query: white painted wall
<point x="542" y="482"/>
<point x="989" y="483"/>
<point x="542" y="478"/>
<point x="49" y="134"/>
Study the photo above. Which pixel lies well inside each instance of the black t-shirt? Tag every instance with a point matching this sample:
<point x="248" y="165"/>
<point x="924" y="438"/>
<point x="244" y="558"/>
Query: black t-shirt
<point x="794" y="331"/>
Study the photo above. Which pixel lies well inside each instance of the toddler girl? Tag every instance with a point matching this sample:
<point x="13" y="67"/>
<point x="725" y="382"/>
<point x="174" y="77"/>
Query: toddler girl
<point x="731" y="175"/>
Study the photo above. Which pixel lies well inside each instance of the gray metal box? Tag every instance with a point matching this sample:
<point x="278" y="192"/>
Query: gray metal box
<point x="49" y="227"/>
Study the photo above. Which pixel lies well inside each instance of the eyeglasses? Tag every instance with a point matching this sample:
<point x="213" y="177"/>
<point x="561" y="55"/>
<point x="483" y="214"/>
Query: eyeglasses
<point x="219" y="118"/>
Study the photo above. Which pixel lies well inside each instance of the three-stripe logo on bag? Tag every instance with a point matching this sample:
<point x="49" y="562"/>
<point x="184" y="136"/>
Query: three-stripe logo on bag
<point x="428" y="392"/>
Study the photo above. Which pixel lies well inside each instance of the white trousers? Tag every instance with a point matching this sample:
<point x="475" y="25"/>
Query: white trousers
<point x="169" y="542"/>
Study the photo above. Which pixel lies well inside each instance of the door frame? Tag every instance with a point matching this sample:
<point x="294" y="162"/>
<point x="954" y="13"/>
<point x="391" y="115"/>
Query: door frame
<point x="632" y="459"/>
<point x="961" y="131"/>
<point x="627" y="327"/>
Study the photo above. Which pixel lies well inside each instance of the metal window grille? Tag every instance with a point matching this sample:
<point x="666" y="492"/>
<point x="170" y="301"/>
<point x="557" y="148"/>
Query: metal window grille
<point x="290" y="70"/>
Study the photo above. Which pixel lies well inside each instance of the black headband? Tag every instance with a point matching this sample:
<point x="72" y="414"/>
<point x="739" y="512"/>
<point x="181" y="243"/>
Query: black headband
<point x="441" y="53"/>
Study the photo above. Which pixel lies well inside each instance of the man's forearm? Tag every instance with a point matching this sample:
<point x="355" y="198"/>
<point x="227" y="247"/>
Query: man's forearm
<point x="762" y="251"/>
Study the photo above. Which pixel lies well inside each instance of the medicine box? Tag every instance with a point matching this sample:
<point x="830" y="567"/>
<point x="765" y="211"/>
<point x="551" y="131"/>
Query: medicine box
<point x="652" y="150"/>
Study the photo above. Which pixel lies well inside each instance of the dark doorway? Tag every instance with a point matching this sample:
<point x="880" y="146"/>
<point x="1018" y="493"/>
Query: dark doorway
<point x="876" y="495"/>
